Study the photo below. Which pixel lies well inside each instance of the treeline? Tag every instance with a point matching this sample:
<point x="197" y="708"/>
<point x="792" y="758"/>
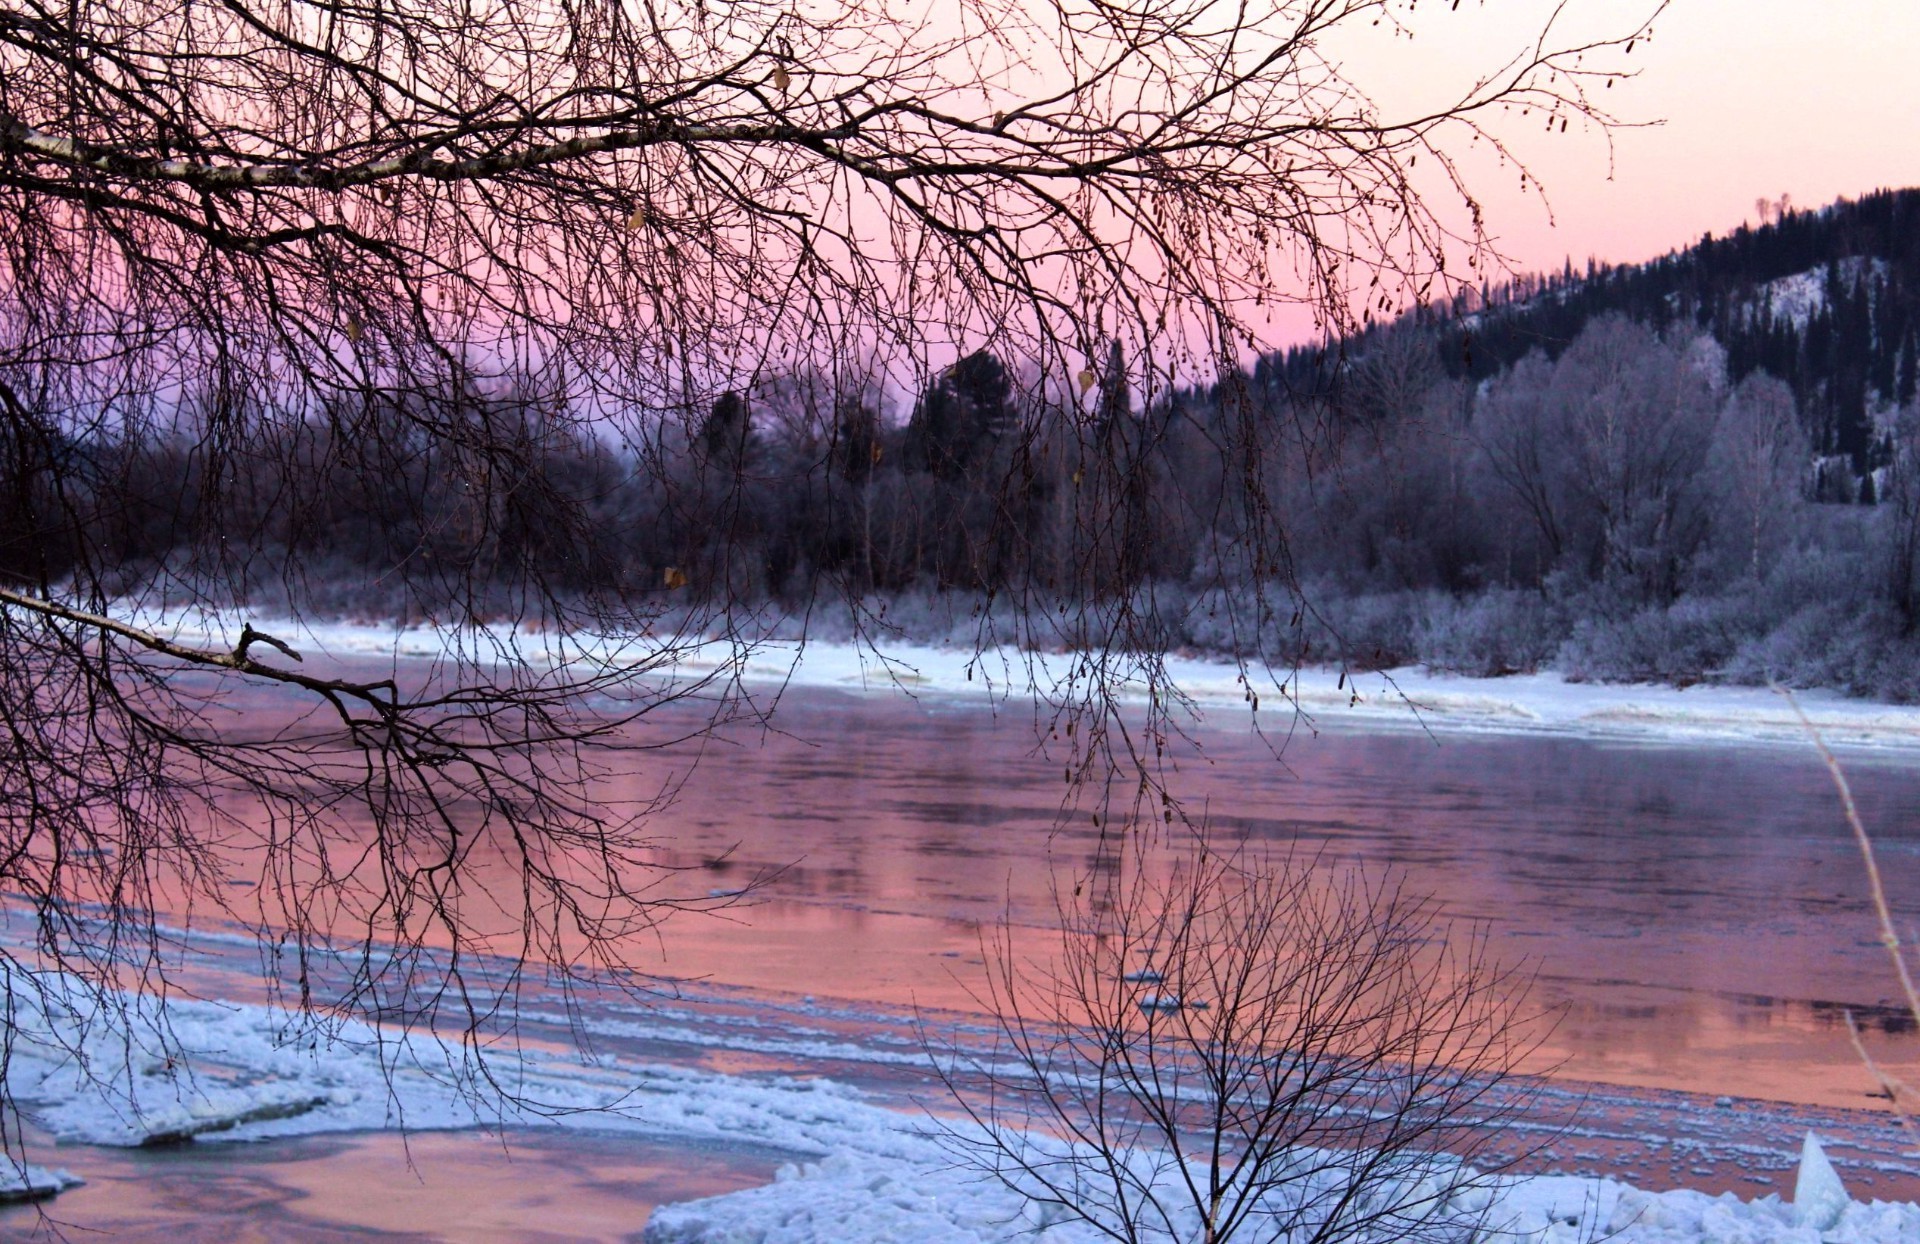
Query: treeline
<point x="1625" y="510"/>
<point x="1637" y="500"/>
<point x="399" y="504"/>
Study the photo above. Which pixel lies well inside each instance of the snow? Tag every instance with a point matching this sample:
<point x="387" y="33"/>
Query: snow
<point x="1796" y="299"/>
<point x="20" y="1182"/>
<point x="229" y="1072"/>
<point x="852" y="1198"/>
<point x="1220" y="693"/>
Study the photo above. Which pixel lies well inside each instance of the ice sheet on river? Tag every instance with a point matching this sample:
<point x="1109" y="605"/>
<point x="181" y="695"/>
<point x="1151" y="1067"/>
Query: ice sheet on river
<point x="230" y="1072"/>
<point x="220" y="1071"/>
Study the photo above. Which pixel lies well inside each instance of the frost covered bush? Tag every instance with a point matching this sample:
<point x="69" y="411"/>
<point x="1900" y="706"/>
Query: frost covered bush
<point x="1232" y="621"/>
<point x="920" y="614"/>
<point x="1688" y="641"/>
<point x="1497" y="631"/>
<point x="1819" y="619"/>
<point x="1862" y="651"/>
<point x="1373" y="630"/>
<point x="1318" y="623"/>
<point x="1500" y="631"/>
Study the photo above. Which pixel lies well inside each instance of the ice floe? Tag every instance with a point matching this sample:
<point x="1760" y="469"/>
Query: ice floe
<point x="20" y="1182"/>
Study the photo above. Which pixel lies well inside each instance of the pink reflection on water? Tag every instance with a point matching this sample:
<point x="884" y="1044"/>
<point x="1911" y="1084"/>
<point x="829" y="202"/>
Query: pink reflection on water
<point x="430" y="1186"/>
<point x="1698" y="913"/>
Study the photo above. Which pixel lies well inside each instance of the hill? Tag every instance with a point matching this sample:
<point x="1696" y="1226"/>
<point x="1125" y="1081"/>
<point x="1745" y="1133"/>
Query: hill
<point x="1827" y="300"/>
<point x="1703" y="467"/>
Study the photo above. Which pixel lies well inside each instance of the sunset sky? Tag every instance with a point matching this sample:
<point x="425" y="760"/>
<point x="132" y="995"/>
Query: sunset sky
<point x="1756" y="97"/>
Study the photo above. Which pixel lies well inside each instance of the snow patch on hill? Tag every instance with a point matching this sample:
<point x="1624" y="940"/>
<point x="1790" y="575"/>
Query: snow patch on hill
<point x="1798" y="298"/>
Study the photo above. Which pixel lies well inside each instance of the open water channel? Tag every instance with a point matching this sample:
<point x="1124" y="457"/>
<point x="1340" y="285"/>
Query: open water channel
<point x="1696" y="915"/>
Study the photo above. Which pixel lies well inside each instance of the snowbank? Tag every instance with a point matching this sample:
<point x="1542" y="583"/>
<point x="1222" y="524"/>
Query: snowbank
<point x="1221" y="694"/>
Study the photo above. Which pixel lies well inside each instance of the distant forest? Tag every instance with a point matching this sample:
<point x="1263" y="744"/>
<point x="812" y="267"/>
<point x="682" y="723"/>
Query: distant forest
<point x="1702" y="468"/>
<point x="1828" y="301"/>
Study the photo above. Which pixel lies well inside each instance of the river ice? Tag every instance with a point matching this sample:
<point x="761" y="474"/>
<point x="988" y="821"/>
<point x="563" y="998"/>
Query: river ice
<point x="21" y="1182"/>
<point x="141" y="1073"/>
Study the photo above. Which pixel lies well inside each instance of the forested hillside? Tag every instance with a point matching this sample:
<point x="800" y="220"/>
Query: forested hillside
<point x="1701" y="467"/>
<point x="1828" y="301"/>
<point x="1706" y="467"/>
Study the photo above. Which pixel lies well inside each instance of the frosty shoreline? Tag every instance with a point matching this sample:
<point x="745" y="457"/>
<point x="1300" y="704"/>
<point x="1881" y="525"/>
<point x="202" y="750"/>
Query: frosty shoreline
<point x="1316" y="698"/>
<point x="233" y="1072"/>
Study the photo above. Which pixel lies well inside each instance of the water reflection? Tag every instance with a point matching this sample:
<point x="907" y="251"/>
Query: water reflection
<point x="529" y="1186"/>
<point x="1699" y="913"/>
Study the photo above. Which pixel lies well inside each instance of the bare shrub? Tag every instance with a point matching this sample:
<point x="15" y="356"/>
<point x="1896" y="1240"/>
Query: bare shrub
<point x="1239" y="1044"/>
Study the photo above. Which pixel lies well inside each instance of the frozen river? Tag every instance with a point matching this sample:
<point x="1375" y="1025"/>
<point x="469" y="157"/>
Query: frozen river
<point x="1697" y="912"/>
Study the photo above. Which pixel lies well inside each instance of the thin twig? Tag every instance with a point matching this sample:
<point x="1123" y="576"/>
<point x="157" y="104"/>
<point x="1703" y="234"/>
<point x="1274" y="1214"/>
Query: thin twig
<point x="1889" y="935"/>
<point x="1893" y="1086"/>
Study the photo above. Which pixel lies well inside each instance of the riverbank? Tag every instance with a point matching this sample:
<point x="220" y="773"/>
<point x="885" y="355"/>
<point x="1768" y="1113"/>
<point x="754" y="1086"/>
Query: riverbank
<point x="1206" y="692"/>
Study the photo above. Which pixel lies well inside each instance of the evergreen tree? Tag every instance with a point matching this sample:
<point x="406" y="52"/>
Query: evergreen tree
<point x="727" y="433"/>
<point x="961" y="418"/>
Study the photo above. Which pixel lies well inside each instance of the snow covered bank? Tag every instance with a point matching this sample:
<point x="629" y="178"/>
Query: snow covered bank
<point x="1221" y="693"/>
<point x="229" y="1072"/>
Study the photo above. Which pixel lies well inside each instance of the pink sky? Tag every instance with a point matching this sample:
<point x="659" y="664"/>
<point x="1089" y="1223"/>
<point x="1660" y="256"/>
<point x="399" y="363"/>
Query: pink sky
<point x="1757" y="97"/>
